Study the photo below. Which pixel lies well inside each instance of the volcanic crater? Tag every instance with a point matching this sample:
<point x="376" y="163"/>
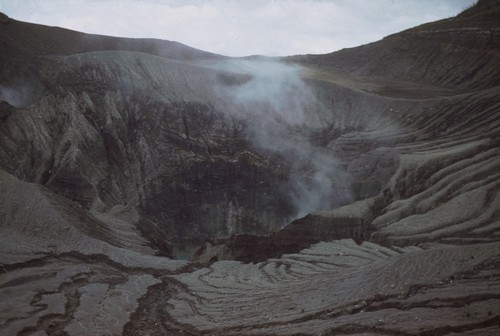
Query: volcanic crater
<point x="149" y="188"/>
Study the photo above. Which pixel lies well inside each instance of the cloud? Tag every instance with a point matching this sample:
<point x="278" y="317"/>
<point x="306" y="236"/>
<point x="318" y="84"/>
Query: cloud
<point x="239" y="28"/>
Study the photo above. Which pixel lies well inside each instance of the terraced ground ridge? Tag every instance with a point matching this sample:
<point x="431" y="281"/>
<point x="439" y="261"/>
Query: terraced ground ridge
<point x="341" y="287"/>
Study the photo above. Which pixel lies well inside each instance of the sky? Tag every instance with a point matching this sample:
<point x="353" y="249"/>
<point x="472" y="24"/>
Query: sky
<point x="239" y="27"/>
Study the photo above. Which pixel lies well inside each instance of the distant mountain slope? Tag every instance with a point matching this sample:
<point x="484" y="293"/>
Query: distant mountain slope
<point x="459" y="52"/>
<point x="28" y="40"/>
<point x="21" y="42"/>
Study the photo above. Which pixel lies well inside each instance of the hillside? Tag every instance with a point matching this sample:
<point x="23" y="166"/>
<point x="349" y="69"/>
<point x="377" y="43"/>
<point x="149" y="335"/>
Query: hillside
<point x="148" y="188"/>
<point x="454" y="53"/>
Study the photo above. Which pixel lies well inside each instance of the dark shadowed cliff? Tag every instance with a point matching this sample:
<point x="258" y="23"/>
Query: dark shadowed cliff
<point x="355" y="193"/>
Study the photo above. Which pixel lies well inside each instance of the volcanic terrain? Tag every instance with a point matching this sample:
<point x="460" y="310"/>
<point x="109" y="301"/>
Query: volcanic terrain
<point x="149" y="188"/>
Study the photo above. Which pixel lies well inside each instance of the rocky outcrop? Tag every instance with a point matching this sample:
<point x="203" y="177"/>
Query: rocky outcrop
<point x="351" y="221"/>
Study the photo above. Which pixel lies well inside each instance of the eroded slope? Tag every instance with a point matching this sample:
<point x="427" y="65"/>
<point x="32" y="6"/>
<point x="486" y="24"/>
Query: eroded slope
<point x="341" y="288"/>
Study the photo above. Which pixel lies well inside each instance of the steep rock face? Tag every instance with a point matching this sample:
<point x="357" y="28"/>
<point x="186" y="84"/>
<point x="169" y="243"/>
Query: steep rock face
<point x="183" y="145"/>
<point x="128" y="129"/>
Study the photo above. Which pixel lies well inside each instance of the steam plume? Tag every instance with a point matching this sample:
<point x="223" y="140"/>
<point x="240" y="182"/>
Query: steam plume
<point x="280" y="111"/>
<point x="18" y="96"/>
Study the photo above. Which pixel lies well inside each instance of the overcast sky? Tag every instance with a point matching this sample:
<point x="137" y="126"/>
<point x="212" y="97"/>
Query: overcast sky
<point x="240" y="28"/>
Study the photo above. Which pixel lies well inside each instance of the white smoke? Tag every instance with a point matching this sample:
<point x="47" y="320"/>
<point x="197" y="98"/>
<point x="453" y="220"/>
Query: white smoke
<point x="275" y="91"/>
<point x="17" y="97"/>
<point x="281" y="111"/>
